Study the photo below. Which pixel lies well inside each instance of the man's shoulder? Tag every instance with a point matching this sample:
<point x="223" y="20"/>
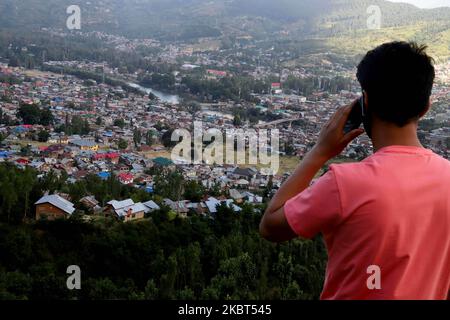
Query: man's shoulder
<point x="442" y="167"/>
<point x="375" y="167"/>
<point x="351" y="167"/>
<point x="442" y="160"/>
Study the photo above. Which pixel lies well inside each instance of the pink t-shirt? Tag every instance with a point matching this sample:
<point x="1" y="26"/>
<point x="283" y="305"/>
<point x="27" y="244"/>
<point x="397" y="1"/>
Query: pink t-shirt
<point x="392" y="211"/>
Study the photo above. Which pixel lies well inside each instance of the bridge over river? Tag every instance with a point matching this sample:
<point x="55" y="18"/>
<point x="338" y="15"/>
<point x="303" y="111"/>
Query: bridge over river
<point x="277" y="122"/>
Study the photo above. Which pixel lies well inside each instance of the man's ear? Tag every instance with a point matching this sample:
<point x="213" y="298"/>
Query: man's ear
<point x="424" y="112"/>
<point x="366" y="101"/>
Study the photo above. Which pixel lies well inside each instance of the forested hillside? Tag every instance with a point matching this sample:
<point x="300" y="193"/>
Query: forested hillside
<point x="196" y="18"/>
<point x="160" y="257"/>
<point x="157" y="259"/>
<point x="339" y="24"/>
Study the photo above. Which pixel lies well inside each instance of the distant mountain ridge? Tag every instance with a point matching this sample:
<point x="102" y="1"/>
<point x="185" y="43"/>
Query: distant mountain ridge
<point x="191" y="19"/>
<point x="155" y="17"/>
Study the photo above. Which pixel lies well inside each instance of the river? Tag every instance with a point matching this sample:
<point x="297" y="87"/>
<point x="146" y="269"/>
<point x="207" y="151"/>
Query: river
<point x="167" y="98"/>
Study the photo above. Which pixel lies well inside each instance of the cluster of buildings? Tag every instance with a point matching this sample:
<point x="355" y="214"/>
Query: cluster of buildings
<point x="100" y="150"/>
<point x="97" y="152"/>
<point x="57" y="206"/>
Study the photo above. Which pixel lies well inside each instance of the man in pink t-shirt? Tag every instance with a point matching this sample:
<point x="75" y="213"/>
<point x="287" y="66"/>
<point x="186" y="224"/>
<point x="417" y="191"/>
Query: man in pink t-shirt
<point x="385" y="220"/>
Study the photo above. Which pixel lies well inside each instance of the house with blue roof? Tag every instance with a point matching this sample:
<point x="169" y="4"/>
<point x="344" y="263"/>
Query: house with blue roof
<point x="104" y="175"/>
<point x="162" y="162"/>
<point x="4" y="154"/>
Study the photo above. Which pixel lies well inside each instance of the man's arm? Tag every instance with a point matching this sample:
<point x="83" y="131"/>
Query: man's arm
<point x="332" y="141"/>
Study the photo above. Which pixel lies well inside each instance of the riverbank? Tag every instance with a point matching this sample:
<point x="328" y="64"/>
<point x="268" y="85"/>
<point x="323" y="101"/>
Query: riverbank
<point x="163" y="97"/>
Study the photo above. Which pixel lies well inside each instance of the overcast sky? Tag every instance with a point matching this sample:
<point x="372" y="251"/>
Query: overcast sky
<point x="426" y="3"/>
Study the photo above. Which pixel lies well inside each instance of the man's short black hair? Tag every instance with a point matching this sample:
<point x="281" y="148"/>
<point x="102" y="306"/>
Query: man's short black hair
<point x="398" y="78"/>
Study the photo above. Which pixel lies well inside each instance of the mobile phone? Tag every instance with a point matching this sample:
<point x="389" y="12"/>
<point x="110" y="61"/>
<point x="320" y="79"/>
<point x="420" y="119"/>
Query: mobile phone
<point x="356" y="116"/>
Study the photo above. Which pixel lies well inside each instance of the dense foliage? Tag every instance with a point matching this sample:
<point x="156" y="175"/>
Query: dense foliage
<point x="160" y="257"/>
<point x="204" y="18"/>
<point x="194" y="258"/>
<point x="33" y="114"/>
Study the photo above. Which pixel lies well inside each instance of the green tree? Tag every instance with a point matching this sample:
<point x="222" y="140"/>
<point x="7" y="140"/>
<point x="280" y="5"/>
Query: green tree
<point x="236" y="278"/>
<point x="168" y="279"/>
<point x="15" y="285"/>
<point x="289" y="148"/>
<point x="237" y="120"/>
<point x="122" y="144"/>
<point x="167" y="139"/>
<point x="169" y="184"/>
<point x="119" y="123"/>
<point x="77" y="125"/>
<point x="149" y="138"/>
<point x="171" y="258"/>
<point x="26" y="182"/>
<point x="43" y="136"/>
<point x="137" y="137"/>
<point x="226" y="220"/>
<point x="25" y="151"/>
<point x="215" y="190"/>
<point x="194" y="191"/>
<point x="14" y="62"/>
<point x="3" y="117"/>
<point x="193" y="108"/>
<point x="268" y="189"/>
<point x="101" y="289"/>
<point x="8" y="194"/>
<point x="86" y="128"/>
<point x="2" y="137"/>
<point x="46" y="117"/>
<point x="30" y="114"/>
<point x="151" y="291"/>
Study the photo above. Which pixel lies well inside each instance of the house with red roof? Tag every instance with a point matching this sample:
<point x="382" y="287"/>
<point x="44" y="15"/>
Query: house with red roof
<point x="22" y="161"/>
<point x="125" y="178"/>
<point x="110" y="156"/>
<point x="217" y="73"/>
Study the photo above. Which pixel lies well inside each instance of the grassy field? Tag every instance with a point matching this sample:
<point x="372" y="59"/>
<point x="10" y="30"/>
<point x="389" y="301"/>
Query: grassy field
<point x="360" y="41"/>
<point x="210" y="45"/>
<point x="157" y="154"/>
<point x="38" y="73"/>
<point x="288" y="164"/>
<point x="36" y="144"/>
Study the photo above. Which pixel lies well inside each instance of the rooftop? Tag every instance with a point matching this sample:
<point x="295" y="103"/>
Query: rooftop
<point x="58" y="202"/>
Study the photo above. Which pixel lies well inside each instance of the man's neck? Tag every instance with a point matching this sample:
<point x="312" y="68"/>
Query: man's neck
<point x="386" y="134"/>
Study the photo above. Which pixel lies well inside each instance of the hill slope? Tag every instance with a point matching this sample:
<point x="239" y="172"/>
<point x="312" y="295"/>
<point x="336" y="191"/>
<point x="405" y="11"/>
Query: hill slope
<point x="336" y="21"/>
